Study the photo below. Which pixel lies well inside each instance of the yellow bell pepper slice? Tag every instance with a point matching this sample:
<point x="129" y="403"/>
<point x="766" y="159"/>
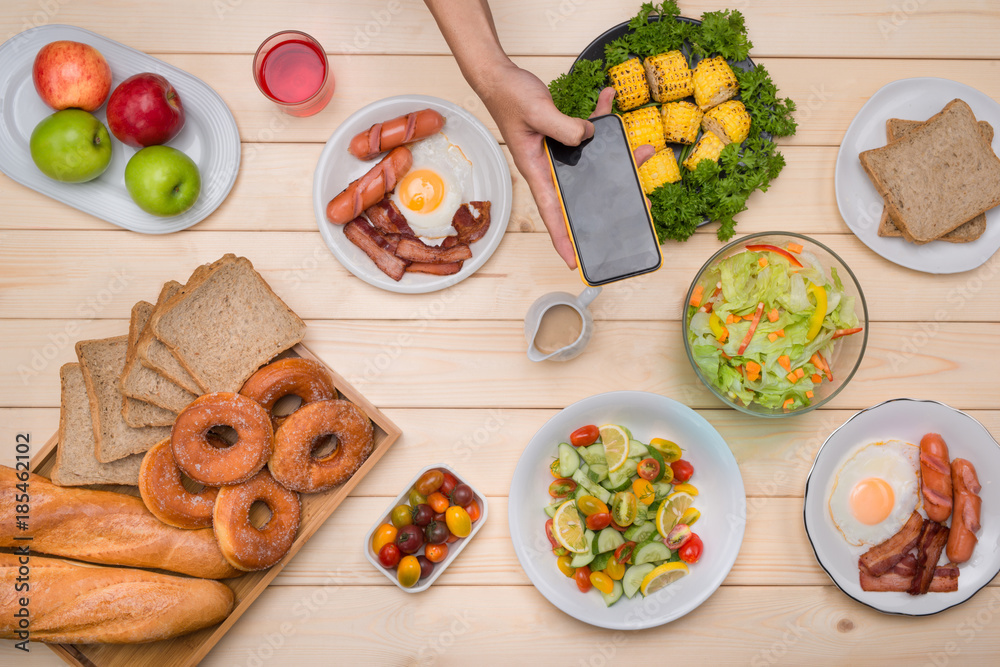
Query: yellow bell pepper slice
<point x="816" y="319"/>
<point x="718" y="328"/>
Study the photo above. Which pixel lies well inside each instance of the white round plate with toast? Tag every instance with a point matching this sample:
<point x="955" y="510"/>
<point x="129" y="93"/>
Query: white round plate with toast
<point x="490" y="182"/>
<point x="861" y="205"/>
<point x="908" y="420"/>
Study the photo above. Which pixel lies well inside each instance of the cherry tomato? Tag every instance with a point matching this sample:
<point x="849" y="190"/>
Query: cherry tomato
<point x="561" y="488"/>
<point x="461" y="495"/>
<point x="402" y="515"/>
<point x="624" y="508"/>
<point x="422" y="515"/>
<point x="670" y="450"/>
<point x="383" y="535"/>
<point x="429" y="482"/>
<point x="474" y="511"/>
<point x="449" y="483"/>
<point x="408" y="572"/>
<point x="426" y="566"/>
<point x="451" y="538"/>
<point x="436" y="533"/>
<point x="649" y="469"/>
<point x="644" y="491"/>
<point x="410" y="539"/>
<point x="590" y="505"/>
<point x="682" y="470"/>
<point x="439" y="517"/>
<point x="602" y="582"/>
<point x="582" y="577"/>
<point x="436" y="552"/>
<point x="614" y="569"/>
<point x="563" y="563"/>
<point x="438" y="502"/>
<point x="625" y="552"/>
<point x="599" y="521"/>
<point x="678" y="536"/>
<point x="388" y="555"/>
<point x="691" y="551"/>
<point x="554" y="469"/>
<point x="557" y="549"/>
<point x="620" y="529"/>
<point x="458" y="521"/>
<point x="585" y="435"/>
<point x="416" y="498"/>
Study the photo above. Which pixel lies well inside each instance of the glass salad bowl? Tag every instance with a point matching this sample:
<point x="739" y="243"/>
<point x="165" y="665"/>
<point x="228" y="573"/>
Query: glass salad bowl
<point x="753" y="330"/>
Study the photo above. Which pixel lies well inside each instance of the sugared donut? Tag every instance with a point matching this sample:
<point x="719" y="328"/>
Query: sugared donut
<point x="293" y="376"/>
<point x="196" y="456"/>
<point x="245" y="546"/>
<point x="293" y="463"/>
<point x="165" y="496"/>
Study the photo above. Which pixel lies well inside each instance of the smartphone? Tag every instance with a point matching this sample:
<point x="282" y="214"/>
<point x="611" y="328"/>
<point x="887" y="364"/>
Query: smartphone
<point x="606" y="214"/>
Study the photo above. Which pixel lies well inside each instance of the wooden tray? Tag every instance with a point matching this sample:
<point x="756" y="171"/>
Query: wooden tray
<point x="189" y="650"/>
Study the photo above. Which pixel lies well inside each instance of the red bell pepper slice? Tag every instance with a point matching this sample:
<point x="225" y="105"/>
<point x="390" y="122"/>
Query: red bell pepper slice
<point x="775" y="249"/>
<point x="753" y="327"/>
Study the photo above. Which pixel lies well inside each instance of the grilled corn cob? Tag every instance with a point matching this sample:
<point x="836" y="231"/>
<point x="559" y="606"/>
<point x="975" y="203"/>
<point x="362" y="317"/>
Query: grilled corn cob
<point x="681" y="121"/>
<point x="729" y="121"/>
<point x="659" y="169"/>
<point x="708" y="148"/>
<point x="669" y="76"/>
<point x="643" y="126"/>
<point x="629" y="82"/>
<point x="714" y="82"/>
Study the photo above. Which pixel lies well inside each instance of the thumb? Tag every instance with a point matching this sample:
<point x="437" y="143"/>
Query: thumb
<point x="564" y="129"/>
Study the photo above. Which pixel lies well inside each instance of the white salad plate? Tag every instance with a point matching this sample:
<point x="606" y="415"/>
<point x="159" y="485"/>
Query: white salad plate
<point x="490" y="182"/>
<point x="908" y="420"/>
<point x="209" y="136"/>
<point x="721" y="500"/>
<point x="860" y="204"/>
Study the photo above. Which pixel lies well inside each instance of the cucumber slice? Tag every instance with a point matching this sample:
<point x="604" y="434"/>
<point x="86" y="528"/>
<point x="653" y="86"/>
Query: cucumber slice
<point x="598" y="472"/>
<point x="637" y="450"/>
<point x="551" y="509"/>
<point x="619" y="479"/>
<point x="663" y="490"/>
<point x="609" y="539"/>
<point x="629" y="467"/>
<point x="569" y="460"/>
<point x="638" y="534"/>
<point x="614" y="595"/>
<point x="633" y="578"/>
<point x="593" y="489"/>
<point x="651" y="553"/>
<point x="601" y="561"/>
<point x="594" y="454"/>
<point x="579" y="560"/>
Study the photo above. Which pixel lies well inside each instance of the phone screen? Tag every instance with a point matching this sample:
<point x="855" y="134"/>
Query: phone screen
<point x="604" y="204"/>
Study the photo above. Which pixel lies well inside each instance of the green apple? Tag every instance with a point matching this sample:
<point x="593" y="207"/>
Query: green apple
<point x="162" y="180"/>
<point x="71" y="146"/>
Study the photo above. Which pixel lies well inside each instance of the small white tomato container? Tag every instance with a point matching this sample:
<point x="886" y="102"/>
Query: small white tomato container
<point x="454" y="548"/>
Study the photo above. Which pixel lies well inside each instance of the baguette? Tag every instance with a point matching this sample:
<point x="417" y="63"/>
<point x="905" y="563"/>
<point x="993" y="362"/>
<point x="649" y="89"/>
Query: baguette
<point x="107" y="528"/>
<point x="72" y="603"/>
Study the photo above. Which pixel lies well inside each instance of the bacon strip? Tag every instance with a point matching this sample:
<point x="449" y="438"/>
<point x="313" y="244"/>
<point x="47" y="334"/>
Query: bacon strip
<point x="376" y="246"/>
<point x="472" y="221"/>
<point x="386" y="217"/>
<point x="945" y="580"/>
<point x="932" y="543"/>
<point x="435" y="269"/>
<point x="883" y="557"/>
<point x="907" y="566"/>
<point x="415" y="250"/>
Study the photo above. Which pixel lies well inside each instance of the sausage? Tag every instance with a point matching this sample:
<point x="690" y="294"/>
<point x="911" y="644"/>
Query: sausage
<point x="935" y="477"/>
<point x="370" y="188"/>
<point x="965" y="519"/>
<point x="385" y="136"/>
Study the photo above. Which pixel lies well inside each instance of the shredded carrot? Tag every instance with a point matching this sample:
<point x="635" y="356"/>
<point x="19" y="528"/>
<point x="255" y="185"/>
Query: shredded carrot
<point x="816" y="378"/>
<point x="788" y="403"/>
<point x="762" y="261"/>
<point x="773" y="315"/>
<point x="792" y="377"/>
<point x="781" y="332"/>
<point x="785" y="362"/>
<point x="699" y="291"/>
<point x="724" y="337"/>
<point x="772" y="336"/>
<point x="794" y="247"/>
<point x="820" y="363"/>
<point x="799" y="373"/>
<point x="732" y="319"/>
<point x="809" y="394"/>
<point x="753" y="367"/>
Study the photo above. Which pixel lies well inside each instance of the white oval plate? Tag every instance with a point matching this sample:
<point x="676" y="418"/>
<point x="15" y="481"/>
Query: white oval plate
<point x="490" y="181"/>
<point x="860" y="204"/>
<point x="908" y="420"/>
<point x="721" y="500"/>
<point x="209" y="136"/>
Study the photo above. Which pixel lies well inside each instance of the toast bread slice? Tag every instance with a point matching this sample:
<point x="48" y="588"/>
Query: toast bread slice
<point x="103" y="361"/>
<point x="258" y="324"/>
<point x="139" y="382"/>
<point x="937" y="177"/>
<point x="155" y="356"/>
<point x="76" y="464"/>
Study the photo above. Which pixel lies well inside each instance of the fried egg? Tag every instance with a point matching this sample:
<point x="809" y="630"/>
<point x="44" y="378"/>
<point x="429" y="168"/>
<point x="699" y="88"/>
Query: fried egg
<point x="434" y="187"/>
<point x="875" y="492"/>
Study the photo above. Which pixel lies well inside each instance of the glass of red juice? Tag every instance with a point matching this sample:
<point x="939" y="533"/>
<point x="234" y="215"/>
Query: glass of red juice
<point x="291" y="69"/>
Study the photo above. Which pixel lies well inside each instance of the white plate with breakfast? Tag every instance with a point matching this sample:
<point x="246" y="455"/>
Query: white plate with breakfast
<point x="898" y="503"/>
<point x="209" y="135"/>
<point x="929" y="199"/>
<point x="663" y="502"/>
<point x="412" y="194"/>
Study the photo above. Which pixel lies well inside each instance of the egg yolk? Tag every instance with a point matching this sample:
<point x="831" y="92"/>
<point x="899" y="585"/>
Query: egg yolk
<point x="872" y="500"/>
<point x="421" y="190"/>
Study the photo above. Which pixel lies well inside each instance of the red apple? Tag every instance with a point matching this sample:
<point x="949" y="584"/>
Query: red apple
<point x="71" y="75"/>
<point x="145" y="110"/>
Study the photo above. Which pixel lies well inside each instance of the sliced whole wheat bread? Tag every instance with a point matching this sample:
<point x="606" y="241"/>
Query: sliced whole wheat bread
<point x="139" y="382"/>
<point x="76" y="464"/>
<point x="139" y="413"/>
<point x="225" y="323"/>
<point x="896" y="128"/>
<point x="155" y="356"/>
<point x="103" y="361"/>
<point x="937" y="177"/>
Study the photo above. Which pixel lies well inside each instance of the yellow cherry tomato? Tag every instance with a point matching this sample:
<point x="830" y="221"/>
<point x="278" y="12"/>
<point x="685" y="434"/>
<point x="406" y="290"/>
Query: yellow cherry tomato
<point x="458" y="521"/>
<point x="602" y="582"/>
<point x="690" y="515"/>
<point x="589" y="505"/>
<point x="670" y="451"/>
<point x="614" y="569"/>
<point x="644" y="491"/>
<point x="563" y="563"/>
<point x="554" y="469"/>
<point x="409" y="571"/>
<point x="384" y="534"/>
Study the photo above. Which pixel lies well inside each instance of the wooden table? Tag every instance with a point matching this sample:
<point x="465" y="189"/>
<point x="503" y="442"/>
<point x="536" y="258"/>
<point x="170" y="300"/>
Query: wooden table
<point x="450" y="367"/>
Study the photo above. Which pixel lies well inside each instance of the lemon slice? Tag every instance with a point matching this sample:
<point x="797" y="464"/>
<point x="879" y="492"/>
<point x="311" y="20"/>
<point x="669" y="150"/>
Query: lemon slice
<point x="671" y="511"/>
<point x="689" y="489"/>
<point x="567" y="527"/>
<point x="615" y="440"/>
<point x="663" y="576"/>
